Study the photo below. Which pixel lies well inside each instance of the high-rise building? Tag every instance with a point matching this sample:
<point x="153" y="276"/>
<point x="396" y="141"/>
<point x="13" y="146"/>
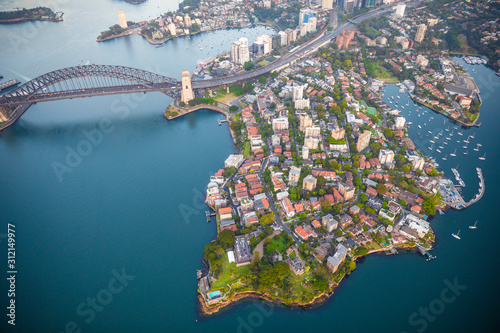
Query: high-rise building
<point x="291" y="35"/>
<point x="400" y="122"/>
<point x="349" y="5"/>
<point x="305" y="122"/>
<point x="235" y="58"/>
<point x="305" y="153"/>
<point x="400" y="10"/>
<point x="244" y="54"/>
<point x="302" y="103"/>
<point x="338" y="133"/>
<point x="311" y="143"/>
<point x="280" y="124"/>
<point x="294" y="175"/>
<point x="327" y="4"/>
<point x="122" y="19"/>
<point x="309" y="183"/>
<point x="298" y="92"/>
<point x="311" y="24"/>
<point x="304" y="15"/>
<point x="419" y="36"/>
<point x="363" y="141"/>
<point x="269" y="40"/>
<point x="283" y="38"/>
<point x="385" y="156"/>
<point x="240" y="52"/>
<point x="313" y="132"/>
<point x="187" y="21"/>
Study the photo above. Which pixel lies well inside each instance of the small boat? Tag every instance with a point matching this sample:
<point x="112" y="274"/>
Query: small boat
<point x="473" y="226"/>
<point x="479" y="145"/>
<point x="429" y="132"/>
<point x="444" y="158"/>
<point x="439" y="151"/>
<point x="482" y="158"/>
<point x="454" y="153"/>
<point x="465" y="152"/>
<point x="473" y="135"/>
<point x="460" y="133"/>
<point x="445" y="143"/>
<point x="441" y="147"/>
<point x="431" y="141"/>
<point x="457" y="235"/>
<point x="419" y="126"/>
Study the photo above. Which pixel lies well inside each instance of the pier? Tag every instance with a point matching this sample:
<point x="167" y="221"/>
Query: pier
<point x="423" y="251"/>
<point x="481" y="188"/>
<point x="209" y="214"/>
<point x="453" y="198"/>
<point x="220" y="121"/>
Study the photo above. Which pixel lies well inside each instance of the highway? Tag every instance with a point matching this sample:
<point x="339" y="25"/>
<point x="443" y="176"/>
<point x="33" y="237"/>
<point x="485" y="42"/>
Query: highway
<point x="303" y="50"/>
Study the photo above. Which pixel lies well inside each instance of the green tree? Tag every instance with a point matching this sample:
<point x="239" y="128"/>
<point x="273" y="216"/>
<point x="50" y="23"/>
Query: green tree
<point x="233" y="108"/>
<point x="381" y="189"/>
<point x="262" y="79"/>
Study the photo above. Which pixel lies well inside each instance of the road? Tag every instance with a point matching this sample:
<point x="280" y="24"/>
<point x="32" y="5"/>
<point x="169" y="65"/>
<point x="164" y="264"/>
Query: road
<point x="303" y="50"/>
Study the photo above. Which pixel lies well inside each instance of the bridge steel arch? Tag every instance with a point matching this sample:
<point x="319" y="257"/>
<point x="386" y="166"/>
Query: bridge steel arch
<point x="89" y="80"/>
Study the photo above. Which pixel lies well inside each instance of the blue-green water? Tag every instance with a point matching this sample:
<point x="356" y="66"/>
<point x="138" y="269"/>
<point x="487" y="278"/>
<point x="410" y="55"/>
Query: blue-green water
<point x="134" y="203"/>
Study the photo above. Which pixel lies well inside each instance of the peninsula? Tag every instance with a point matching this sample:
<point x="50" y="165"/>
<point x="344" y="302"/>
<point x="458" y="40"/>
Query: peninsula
<point x="33" y="14"/>
<point x="326" y="172"/>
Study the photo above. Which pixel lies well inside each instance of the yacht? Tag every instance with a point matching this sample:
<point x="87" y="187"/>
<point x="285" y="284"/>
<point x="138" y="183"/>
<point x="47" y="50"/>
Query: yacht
<point x="454" y="153"/>
<point x="477" y="148"/>
<point x="457" y="235"/>
<point x="460" y="133"/>
<point x="479" y="145"/>
<point x="445" y="157"/>
<point x="432" y="141"/>
<point x="482" y="158"/>
<point x="473" y="226"/>
<point x="445" y="143"/>
<point x="473" y="135"/>
<point x="439" y="151"/>
<point x="429" y="132"/>
<point x="419" y="126"/>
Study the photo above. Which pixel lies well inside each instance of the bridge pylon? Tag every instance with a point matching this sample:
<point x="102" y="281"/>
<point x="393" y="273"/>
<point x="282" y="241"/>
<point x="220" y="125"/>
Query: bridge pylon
<point x="186" y="91"/>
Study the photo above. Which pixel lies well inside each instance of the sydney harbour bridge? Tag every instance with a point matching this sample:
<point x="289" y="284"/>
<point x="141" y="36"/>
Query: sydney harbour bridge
<point x="101" y="80"/>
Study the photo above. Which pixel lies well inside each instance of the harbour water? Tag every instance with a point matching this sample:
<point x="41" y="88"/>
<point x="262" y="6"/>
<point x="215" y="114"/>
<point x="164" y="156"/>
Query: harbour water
<point x="133" y="204"/>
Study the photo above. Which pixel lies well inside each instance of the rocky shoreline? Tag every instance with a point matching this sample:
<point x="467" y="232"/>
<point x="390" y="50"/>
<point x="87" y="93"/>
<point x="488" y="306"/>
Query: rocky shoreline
<point x="238" y="297"/>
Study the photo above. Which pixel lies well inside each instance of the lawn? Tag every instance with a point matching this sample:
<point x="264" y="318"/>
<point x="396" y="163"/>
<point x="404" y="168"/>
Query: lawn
<point x="263" y="63"/>
<point x="230" y="273"/>
<point x="381" y="73"/>
<point x="247" y="150"/>
<point x="279" y="244"/>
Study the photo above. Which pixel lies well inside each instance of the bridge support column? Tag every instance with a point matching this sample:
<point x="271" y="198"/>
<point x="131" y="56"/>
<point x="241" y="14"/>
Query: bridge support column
<point x="186" y="91"/>
<point x="4" y="114"/>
